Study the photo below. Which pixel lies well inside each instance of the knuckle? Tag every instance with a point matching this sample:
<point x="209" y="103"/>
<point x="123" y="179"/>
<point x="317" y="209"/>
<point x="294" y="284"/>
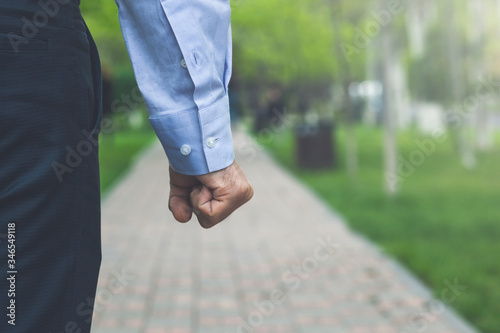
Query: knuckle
<point x="211" y="216"/>
<point x="245" y="191"/>
<point x="207" y="219"/>
<point x="249" y="190"/>
<point x="207" y="224"/>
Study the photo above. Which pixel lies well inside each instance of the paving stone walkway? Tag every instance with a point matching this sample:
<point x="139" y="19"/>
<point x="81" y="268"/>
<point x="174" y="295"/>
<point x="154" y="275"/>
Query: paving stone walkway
<point x="284" y="263"/>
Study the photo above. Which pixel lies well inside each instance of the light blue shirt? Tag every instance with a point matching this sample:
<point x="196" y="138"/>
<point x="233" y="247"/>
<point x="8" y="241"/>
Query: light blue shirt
<point x="181" y="54"/>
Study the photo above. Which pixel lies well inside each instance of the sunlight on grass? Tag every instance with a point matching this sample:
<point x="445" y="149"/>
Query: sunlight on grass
<point x="117" y="151"/>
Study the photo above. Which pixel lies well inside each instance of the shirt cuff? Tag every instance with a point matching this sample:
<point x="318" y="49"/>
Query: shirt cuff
<point x="197" y="142"/>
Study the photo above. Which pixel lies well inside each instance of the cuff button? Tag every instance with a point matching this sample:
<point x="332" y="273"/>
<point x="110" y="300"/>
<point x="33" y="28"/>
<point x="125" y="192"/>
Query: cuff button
<point x="185" y="150"/>
<point x="211" y="142"/>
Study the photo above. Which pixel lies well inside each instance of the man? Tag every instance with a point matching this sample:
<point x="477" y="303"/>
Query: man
<point x="50" y="96"/>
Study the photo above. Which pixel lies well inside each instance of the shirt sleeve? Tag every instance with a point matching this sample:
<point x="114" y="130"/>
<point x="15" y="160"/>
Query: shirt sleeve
<point x="181" y="55"/>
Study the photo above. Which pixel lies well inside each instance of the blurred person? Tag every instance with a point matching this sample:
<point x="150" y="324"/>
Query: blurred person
<point x="51" y="96"/>
<point x="275" y="104"/>
<point x="270" y="111"/>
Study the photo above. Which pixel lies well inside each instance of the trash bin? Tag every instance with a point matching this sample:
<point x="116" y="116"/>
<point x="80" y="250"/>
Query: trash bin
<point x="315" y="147"/>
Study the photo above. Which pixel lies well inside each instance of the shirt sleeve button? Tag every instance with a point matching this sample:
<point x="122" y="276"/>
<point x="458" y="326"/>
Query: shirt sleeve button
<point x="183" y="63"/>
<point x="211" y="142"/>
<point x="185" y="150"/>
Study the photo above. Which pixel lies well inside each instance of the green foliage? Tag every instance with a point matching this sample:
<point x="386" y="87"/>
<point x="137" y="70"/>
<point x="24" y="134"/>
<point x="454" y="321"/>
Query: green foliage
<point x="102" y="20"/>
<point x="350" y="19"/>
<point x="432" y="76"/>
<point x="101" y="16"/>
<point x="428" y="75"/>
<point x="444" y="225"/>
<point x="286" y="41"/>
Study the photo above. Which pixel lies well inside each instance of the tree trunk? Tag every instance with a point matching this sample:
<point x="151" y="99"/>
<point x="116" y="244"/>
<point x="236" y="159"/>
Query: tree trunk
<point x="351" y="140"/>
<point x="390" y="116"/>
<point x="456" y="69"/>
<point x="484" y="131"/>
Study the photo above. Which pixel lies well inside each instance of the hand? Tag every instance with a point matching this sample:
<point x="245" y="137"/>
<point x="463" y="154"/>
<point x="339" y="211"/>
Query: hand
<point x="211" y="197"/>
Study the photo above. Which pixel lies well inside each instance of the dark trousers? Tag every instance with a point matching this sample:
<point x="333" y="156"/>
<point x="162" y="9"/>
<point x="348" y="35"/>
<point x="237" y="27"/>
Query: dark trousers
<point x="50" y="88"/>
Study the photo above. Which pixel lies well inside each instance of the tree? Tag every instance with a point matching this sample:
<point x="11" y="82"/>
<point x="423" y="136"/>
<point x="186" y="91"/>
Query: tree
<point x="284" y="41"/>
<point x="102" y="19"/>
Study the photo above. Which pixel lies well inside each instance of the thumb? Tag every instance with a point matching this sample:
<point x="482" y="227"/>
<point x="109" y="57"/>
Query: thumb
<point x="201" y="197"/>
<point x="180" y="208"/>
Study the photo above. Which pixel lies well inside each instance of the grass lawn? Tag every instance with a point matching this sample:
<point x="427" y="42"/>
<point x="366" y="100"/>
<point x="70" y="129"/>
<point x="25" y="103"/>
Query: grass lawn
<point x="118" y="150"/>
<point x="444" y="225"/>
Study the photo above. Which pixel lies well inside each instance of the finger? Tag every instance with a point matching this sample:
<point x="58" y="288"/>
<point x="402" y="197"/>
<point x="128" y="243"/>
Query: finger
<point x="223" y="192"/>
<point x="210" y="213"/>
<point x="212" y="209"/>
<point x="179" y="199"/>
<point x="195" y="190"/>
<point x="179" y="203"/>
<point x="206" y="208"/>
<point x="197" y="198"/>
<point x="204" y="197"/>
<point x="180" y="208"/>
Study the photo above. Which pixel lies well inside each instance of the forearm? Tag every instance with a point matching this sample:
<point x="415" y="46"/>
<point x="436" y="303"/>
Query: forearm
<point x="181" y="54"/>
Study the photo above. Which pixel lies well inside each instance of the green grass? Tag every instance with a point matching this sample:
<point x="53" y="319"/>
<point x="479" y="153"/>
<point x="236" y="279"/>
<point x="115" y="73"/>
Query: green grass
<point x="445" y="223"/>
<point x="117" y="151"/>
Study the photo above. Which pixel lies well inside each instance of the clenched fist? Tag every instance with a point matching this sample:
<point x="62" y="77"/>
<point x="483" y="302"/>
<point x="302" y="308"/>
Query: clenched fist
<point x="211" y="197"/>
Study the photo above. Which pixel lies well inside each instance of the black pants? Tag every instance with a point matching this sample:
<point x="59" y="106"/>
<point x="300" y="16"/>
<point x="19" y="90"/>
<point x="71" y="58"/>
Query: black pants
<point x="50" y="88"/>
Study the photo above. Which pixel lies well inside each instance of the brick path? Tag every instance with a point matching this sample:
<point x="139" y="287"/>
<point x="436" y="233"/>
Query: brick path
<point x="283" y="263"/>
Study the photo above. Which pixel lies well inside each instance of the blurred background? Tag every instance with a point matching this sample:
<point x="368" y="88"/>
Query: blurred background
<point x="387" y="109"/>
